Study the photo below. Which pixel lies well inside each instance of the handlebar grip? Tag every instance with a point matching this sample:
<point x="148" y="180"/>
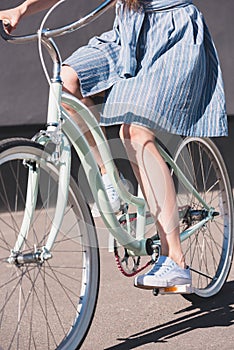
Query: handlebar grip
<point x="13" y="38"/>
<point x="3" y="33"/>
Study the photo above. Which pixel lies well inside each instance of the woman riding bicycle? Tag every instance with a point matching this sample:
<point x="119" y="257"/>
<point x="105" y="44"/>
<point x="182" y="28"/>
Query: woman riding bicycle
<point x="157" y="70"/>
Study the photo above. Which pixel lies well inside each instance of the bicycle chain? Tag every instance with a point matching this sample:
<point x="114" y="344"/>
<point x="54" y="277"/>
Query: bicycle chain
<point x="135" y="270"/>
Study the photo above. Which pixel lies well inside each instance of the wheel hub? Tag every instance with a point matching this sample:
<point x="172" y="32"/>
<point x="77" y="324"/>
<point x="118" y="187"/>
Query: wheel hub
<point x="36" y="257"/>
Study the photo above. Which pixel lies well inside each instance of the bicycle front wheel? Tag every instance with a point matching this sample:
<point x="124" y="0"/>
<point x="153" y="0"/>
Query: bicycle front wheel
<point x="44" y="304"/>
<point x="209" y="250"/>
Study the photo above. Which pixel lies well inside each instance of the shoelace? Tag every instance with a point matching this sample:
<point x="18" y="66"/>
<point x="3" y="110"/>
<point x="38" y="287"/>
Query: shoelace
<point x="113" y="192"/>
<point x="162" y="268"/>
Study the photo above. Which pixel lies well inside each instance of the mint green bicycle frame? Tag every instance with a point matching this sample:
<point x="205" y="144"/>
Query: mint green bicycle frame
<point x="72" y="134"/>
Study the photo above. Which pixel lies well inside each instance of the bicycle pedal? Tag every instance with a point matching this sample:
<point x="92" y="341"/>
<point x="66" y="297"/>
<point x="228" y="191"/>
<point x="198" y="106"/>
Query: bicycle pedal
<point x="181" y="289"/>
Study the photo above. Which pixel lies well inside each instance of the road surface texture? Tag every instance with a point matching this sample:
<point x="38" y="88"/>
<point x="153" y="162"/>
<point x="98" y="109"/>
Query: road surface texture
<point x="130" y="318"/>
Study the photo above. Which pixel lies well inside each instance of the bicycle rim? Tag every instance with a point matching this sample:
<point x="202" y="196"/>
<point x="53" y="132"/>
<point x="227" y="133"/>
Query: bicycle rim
<point x="209" y="250"/>
<point x="47" y="305"/>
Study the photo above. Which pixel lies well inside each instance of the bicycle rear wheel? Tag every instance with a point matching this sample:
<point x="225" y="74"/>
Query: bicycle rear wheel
<point x="209" y="250"/>
<point x="49" y="304"/>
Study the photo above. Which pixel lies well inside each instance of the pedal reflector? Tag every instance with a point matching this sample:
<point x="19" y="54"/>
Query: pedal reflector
<point x="183" y="289"/>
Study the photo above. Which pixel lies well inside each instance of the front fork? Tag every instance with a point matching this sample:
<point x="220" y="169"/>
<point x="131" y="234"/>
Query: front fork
<point x="60" y="158"/>
<point x="64" y="164"/>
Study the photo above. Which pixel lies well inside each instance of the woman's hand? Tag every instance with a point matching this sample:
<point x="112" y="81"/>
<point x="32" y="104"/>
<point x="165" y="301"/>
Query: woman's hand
<point x="10" y="18"/>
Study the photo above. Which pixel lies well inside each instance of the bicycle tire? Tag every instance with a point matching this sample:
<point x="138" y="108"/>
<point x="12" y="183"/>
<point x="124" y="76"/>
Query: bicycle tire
<point x="47" y="305"/>
<point x="209" y="251"/>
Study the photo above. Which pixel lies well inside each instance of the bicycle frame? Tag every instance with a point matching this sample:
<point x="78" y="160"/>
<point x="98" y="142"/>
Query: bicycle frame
<point x="138" y="245"/>
<point x="62" y="131"/>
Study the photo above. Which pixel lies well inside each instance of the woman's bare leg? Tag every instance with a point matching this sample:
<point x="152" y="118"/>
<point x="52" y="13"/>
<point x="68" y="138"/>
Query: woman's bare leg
<point x="154" y="177"/>
<point x="71" y="84"/>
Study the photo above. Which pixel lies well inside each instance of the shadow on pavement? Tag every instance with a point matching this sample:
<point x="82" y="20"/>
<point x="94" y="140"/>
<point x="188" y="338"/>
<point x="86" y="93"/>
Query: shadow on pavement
<point x="215" y="312"/>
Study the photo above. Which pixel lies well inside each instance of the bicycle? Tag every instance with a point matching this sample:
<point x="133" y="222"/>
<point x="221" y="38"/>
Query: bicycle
<point x="48" y="243"/>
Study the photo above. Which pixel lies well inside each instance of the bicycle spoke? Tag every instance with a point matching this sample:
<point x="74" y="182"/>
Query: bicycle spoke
<point x="207" y="251"/>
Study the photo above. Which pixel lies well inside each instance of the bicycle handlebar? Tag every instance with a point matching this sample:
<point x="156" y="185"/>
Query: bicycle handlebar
<point x="49" y="33"/>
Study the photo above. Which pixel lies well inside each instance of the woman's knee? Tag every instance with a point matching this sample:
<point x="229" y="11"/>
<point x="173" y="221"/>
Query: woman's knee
<point x="134" y="132"/>
<point x="70" y="81"/>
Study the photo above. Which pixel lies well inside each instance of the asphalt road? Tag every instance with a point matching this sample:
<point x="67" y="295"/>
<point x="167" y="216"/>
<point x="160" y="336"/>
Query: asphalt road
<point x="128" y="318"/>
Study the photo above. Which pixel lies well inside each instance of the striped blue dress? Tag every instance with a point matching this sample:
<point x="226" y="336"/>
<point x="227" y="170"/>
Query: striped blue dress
<point x="159" y="68"/>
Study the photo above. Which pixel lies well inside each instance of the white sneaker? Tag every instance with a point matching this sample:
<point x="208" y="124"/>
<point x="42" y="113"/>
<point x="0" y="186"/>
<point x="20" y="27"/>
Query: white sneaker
<point x="164" y="273"/>
<point x="112" y="195"/>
